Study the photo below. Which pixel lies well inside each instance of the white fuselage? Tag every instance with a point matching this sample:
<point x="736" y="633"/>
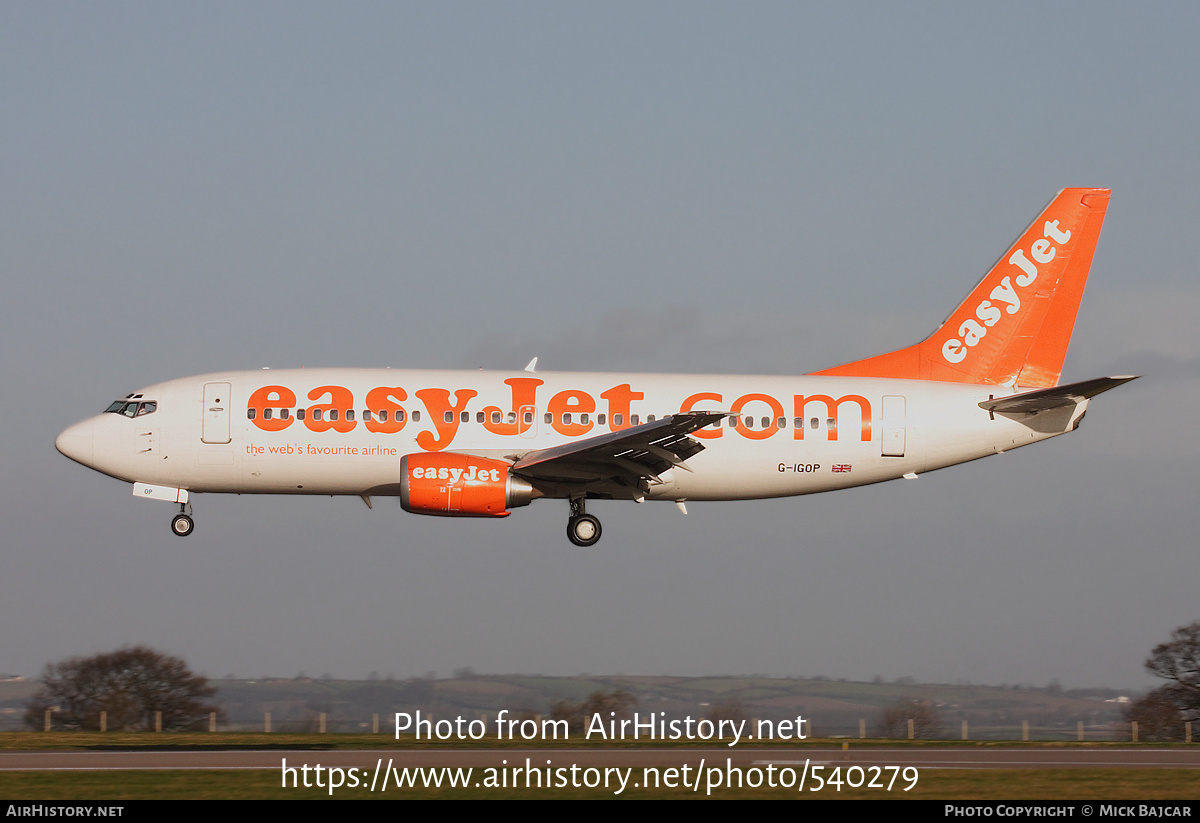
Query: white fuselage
<point x="259" y="432"/>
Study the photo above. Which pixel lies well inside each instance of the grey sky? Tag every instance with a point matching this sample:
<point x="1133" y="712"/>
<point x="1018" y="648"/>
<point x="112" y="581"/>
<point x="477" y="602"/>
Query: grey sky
<point x="773" y="187"/>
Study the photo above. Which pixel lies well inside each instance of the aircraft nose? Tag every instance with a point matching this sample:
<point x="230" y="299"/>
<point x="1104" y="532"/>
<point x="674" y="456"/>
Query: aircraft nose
<point x="76" y="442"/>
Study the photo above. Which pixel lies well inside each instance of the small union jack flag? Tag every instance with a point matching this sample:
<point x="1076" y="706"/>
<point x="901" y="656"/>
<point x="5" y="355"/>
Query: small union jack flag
<point x="841" y="467"/>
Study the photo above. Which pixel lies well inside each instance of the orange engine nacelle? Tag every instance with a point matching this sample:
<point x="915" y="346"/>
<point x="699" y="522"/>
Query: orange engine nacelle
<point x="459" y="485"/>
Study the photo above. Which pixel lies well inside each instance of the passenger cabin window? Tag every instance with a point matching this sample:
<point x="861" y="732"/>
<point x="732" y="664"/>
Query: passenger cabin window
<point x="349" y="414"/>
<point x="317" y="414"/>
<point x="267" y="414"/>
<point x="333" y="414"/>
<point x="495" y="417"/>
<point x="633" y="419"/>
<point x="600" y="420"/>
<point x="465" y="417"/>
<point x="284" y="414"/>
<point x="528" y="418"/>
<point x="299" y="414"/>
<point x="416" y="416"/>
<point x="480" y="417"/>
<point x="449" y="417"/>
<point x="618" y="418"/>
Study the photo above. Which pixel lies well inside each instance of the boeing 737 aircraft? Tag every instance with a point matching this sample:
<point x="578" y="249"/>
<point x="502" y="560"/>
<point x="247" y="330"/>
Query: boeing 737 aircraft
<point x="478" y="444"/>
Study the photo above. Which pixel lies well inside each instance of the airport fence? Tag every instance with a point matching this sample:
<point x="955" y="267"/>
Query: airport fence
<point x="448" y="731"/>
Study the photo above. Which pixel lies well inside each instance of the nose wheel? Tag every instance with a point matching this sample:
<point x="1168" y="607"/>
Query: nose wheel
<point x="582" y="529"/>
<point x="182" y="524"/>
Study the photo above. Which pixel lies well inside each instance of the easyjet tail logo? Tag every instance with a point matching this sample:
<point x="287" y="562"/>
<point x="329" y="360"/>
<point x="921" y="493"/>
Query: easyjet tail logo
<point x="1005" y="298"/>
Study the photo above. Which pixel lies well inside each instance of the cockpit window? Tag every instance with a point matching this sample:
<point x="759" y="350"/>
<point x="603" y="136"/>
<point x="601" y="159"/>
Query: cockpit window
<point x="132" y="408"/>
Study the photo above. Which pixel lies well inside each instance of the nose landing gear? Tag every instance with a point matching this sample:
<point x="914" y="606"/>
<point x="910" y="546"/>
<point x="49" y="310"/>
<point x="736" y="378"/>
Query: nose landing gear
<point x="582" y="529"/>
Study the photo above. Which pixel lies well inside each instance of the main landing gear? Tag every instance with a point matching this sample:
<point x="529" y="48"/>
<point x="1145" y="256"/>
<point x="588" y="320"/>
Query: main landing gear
<point x="182" y="524"/>
<point x="583" y="529"/>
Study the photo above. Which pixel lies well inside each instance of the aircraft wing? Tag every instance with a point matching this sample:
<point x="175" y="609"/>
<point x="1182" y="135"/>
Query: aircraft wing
<point x="644" y="451"/>
<point x="1052" y="398"/>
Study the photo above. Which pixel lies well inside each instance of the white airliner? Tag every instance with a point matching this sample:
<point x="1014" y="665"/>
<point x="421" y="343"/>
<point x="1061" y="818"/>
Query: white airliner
<point x="465" y="443"/>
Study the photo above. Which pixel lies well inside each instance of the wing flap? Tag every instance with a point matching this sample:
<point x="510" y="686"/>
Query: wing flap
<point x="647" y="450"/>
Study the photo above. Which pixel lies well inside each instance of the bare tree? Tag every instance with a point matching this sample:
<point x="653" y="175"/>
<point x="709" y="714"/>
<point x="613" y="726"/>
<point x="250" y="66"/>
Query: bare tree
<point x="1178" y="661"/>
<point x="893" y="720"/>
<point x="130" y="684"/>
<point x="1160" y="715"/>
<point x="1157" y="715"/>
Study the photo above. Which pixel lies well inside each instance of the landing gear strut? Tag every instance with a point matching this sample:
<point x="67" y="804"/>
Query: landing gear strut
<point x="182" y="524"/>
<point x="583" y="529"/>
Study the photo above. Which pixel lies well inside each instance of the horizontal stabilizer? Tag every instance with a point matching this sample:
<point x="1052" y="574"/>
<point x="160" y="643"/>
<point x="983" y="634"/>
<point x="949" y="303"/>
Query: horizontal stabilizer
<point x="1046" y="399"/>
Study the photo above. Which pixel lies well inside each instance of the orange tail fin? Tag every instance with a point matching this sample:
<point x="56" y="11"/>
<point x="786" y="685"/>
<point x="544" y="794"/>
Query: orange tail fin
<point x="1014" y="328"/>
